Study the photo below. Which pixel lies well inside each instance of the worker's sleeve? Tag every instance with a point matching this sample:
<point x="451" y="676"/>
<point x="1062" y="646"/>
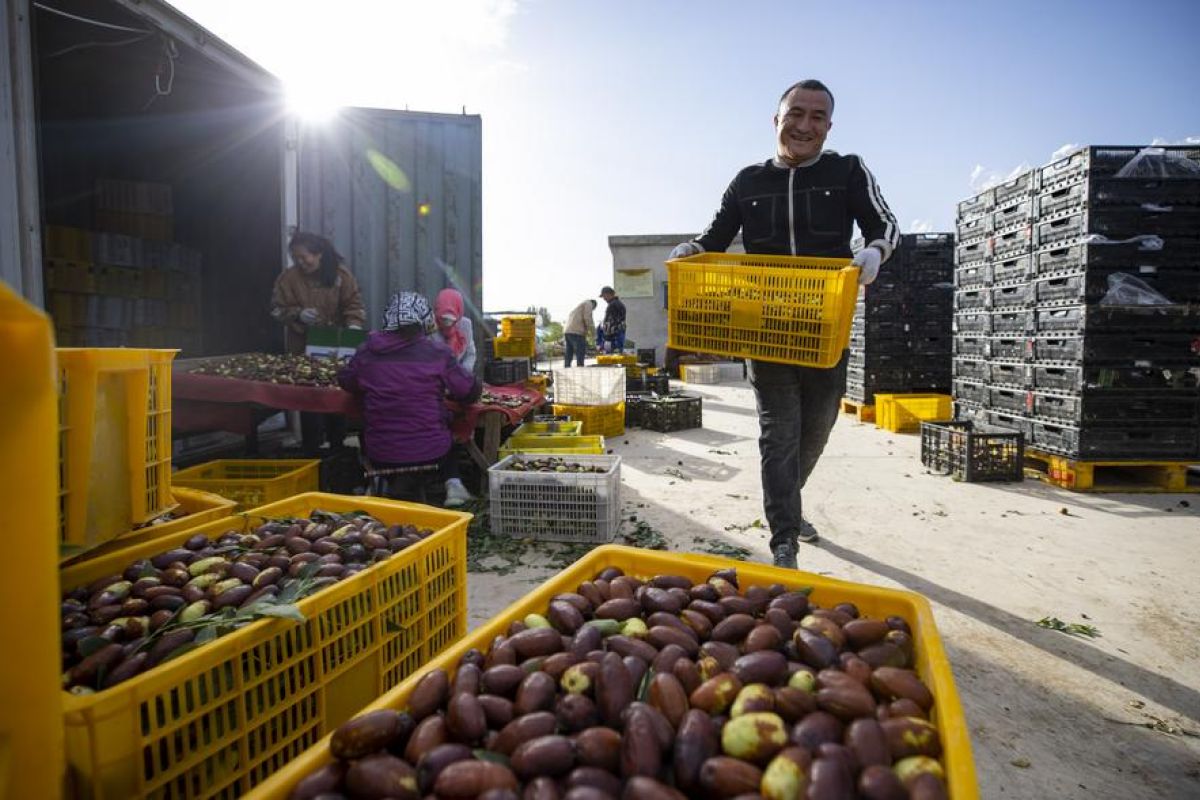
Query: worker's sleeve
<point x="348" y="375"/>
<point x="468" y="356"/>
<point x="725" y="223"/>
<point x="460" y="384"/>
<point x="871" y="212"/>
<point x="350" y="302"/>
<point x="285" y="307"/>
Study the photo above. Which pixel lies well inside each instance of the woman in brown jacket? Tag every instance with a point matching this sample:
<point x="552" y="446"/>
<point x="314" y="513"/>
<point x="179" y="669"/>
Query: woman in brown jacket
<point x="318" y="290"/>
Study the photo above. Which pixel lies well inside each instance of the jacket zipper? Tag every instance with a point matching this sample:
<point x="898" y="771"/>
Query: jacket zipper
<point x="792" y="210"/>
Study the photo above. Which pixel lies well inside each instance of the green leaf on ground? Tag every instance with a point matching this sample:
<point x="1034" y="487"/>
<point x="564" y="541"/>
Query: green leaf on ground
<point x="1070" y="628"/>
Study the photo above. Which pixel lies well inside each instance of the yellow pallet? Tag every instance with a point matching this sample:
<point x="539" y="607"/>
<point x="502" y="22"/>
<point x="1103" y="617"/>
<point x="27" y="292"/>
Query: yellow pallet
<point x="252" y="482"/>
<point x="792" y="310"/>
<point x="904" y="413"/>
<point x="31" y="735"/>
<point x="192" y="508"/>
<point x="932" y="664"/>
<point x="862" y="411"/>
<point x="1111" y="476"/>
<point x="608" y="420"/>
<point x="221" y="718"/>
<point x="114" y="441"/>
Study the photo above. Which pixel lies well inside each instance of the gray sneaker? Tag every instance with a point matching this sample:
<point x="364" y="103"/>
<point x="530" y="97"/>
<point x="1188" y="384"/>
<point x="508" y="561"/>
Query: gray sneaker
<point x="785" y="555"/>
<point x="808" y="534"/>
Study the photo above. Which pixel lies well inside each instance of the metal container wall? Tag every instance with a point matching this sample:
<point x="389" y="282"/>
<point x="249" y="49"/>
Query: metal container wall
<point x="400" y="195"/>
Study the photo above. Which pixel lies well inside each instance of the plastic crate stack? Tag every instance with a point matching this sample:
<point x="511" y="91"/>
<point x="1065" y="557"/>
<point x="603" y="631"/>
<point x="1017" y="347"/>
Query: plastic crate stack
<point x="1077" y="305"/>
<point x="900" y="338"/>
<point x="125" y="283"/>
<point x="517" y="339"/>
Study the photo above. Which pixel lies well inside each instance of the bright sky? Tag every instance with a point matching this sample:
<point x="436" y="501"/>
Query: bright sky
<point x="627" y="117"/>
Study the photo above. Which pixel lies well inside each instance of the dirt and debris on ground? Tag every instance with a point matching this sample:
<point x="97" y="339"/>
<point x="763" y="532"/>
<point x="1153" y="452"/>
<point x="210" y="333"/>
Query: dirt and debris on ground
<point x="1052" y="713"/>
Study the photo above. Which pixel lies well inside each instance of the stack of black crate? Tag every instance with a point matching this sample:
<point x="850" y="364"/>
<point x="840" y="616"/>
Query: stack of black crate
<point x="1052" y="338"/>
<point x="900" y="339"/>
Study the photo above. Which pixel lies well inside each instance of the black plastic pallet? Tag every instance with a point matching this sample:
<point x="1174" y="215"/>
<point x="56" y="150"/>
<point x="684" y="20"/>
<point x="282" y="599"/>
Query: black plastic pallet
<point x="1118" y="223"/>
<point x="1117" y="192"/>
<point x="1101" y="318"/>
<point x="1015" y="295"/>
<point x="1115" y="407"/>
<point x="1165" y="443"/>
<point x="1078" y="377"/>
<point x="1021" y="186"/>
<point x="1009" y="348"/>
<point x="1100" y="161"/>
<point x="1015" y="213"/>
<point x="972" y="369"/>
<point x="969" y="391"/>
<point x="1180" y="285"/>
<point x="1155" y="348"/>
<point x="970" y="345"/>
<point x="1016" y="268"/>
<point x="1137" y="256"/>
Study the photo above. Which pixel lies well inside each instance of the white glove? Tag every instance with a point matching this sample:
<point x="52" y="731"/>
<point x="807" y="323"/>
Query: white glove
<point x="867" y="261"/>
<point x="354" y="327"/>
<point x="309" y="316"/>
<point x="685" y="249"/>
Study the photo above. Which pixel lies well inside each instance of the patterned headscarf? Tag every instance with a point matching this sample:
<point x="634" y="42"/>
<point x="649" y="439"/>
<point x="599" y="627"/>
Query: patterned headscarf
<point x="407" y="308"/>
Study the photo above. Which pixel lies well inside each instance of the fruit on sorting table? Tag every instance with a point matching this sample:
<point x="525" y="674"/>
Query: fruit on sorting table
<point x="120" y="625"/>
<point x="661" y="688"/>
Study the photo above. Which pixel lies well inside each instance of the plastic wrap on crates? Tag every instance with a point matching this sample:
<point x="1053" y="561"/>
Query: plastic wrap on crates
<point x="1128" y="290"/>
<point x="971" y="452"/>
<point x="557" y="506"/>
<point x="589" y="386"/>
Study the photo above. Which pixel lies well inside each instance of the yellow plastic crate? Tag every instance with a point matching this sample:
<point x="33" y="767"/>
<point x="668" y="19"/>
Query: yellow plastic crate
<point x="607" y="420"/>
<point x="215" y="721"/>
<point x="193" y="507"/>
<point x="619" y="360"/>
<point x="932" y="664"/>
<point x="520" y="326"/>
<point x="114" y="441"/>
<point x="514" y="347"/>
<point x="903" y="413"/>
<point x="793" y="310"/>
<point x="548" y="429"/>
<point x="564" y="445"/>
<point x="31" y="736"/>
<point x="252" y="482"/>
<point x="538" y="383"/>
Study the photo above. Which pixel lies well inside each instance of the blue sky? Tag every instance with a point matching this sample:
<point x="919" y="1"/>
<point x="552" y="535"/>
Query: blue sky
<point x="626" y="117"/>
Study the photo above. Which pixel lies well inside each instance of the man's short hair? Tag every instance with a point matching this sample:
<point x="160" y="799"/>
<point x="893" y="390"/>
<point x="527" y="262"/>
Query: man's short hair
<point x="606" y="290"/>
<point x="808" y="83"/>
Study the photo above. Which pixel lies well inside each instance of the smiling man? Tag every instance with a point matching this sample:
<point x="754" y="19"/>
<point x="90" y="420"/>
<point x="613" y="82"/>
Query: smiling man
<point x="802" y="202"/>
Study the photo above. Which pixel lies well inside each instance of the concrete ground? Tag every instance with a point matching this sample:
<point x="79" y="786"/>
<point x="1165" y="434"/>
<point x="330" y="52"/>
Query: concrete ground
<point x="1051" y="715"/>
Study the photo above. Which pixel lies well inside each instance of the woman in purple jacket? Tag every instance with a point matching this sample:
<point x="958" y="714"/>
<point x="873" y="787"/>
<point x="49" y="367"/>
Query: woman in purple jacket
<point x="403" y="378"/>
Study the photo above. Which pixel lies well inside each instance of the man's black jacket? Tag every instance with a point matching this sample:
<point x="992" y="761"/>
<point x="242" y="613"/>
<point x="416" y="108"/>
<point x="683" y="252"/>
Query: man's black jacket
<point x="806" y="210"/>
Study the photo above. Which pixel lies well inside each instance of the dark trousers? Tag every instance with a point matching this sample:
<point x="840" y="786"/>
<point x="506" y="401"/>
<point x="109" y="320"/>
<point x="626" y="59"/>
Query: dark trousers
<point x="576" y="345"/>
<point x="410" y="484"/>
<point x="797" y="407"/>
<point x="316" y="428"/>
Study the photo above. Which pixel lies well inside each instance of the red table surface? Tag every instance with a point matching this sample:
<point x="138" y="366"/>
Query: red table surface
<point x="210" y="402"/>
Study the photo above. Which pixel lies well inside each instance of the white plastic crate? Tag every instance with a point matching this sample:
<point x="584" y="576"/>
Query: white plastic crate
<point x="731" y="371"/>
<point x="557" y="506"/>
<point x="701" y="373"/>
<point x="589" y="386"/>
